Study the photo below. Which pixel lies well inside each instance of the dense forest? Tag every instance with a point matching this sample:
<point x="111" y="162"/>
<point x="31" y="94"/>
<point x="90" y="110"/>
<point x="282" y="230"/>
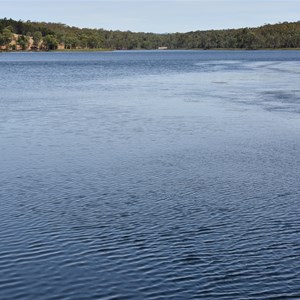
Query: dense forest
<point x="27" y="35"/>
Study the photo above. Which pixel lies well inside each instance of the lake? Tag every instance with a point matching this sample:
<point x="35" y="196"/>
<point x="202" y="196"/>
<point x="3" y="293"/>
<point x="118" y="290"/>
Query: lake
<point x="150" y="175"/>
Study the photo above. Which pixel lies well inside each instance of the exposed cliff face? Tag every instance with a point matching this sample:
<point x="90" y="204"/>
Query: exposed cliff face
<point x="16" y="44"/>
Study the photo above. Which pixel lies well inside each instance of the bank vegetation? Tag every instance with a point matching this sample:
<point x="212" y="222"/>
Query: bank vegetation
<point x="42" y="36"/>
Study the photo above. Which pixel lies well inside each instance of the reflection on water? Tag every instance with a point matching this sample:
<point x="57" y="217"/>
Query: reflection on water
<point x="150" y="175"/>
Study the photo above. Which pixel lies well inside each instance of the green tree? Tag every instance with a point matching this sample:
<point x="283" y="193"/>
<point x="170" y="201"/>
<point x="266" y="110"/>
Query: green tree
<point x="50" y="42"/>
<point x="71" y="42"/>
<point x="7" y="36"/>
<point x="37" y="38"/>
<point x="23" y="41"/>
<point x="1" y="40"/>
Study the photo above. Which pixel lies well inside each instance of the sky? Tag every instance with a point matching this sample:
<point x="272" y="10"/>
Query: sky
<point x="160" y="16"/>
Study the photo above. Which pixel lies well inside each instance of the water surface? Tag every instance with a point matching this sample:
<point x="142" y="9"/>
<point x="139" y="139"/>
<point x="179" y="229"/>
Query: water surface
<point x="150" y="175"/>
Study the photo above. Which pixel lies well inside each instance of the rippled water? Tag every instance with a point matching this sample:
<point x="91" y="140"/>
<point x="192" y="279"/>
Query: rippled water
<point x="150" y="175"/>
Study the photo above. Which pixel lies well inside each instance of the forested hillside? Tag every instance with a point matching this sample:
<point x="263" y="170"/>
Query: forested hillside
<point x="20" y="35"/>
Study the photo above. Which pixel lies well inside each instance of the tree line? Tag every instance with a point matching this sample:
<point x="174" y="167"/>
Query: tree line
<point x="24" y="35"/>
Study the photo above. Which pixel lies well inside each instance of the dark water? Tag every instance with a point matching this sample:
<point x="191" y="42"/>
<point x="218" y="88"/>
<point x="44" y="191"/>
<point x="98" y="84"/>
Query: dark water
<point x="150" y="175"/>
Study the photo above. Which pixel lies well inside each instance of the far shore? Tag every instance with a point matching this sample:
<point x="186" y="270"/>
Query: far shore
<point x="116" y="50"/>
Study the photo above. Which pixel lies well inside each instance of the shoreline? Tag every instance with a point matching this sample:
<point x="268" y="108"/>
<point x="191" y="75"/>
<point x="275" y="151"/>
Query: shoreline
<point x="117" y="50"/>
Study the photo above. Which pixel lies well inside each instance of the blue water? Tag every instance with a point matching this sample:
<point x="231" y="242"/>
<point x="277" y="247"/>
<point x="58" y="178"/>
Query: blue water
<point x="150" y="175"/>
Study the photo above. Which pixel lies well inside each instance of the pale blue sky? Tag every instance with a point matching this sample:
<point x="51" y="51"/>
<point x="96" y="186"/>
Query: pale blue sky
<point x="156" y="15"/>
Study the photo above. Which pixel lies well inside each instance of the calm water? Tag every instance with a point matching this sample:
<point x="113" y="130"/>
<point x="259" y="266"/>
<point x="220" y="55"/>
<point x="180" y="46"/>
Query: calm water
<point x="150" y="175"/>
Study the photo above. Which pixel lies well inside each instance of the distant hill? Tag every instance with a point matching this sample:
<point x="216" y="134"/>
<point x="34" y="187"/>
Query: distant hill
<point x="27" y="35"/>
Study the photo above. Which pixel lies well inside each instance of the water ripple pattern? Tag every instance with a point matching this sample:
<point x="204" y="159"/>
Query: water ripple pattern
<point x="150" y="175"/>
